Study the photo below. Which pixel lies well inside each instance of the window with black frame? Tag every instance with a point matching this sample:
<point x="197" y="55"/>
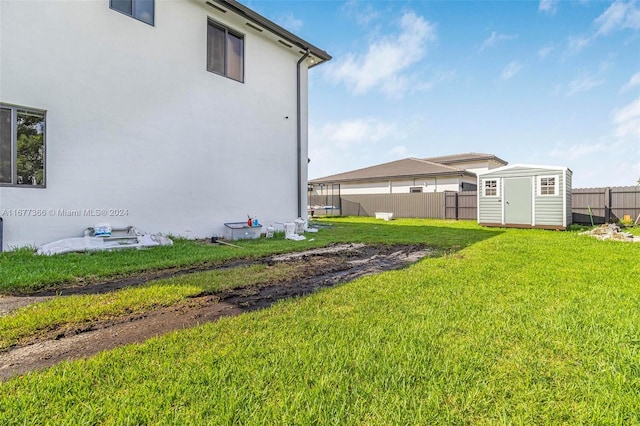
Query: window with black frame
<point x="22" y="146"/>
<point x="142" y="10"/>
<point x="225" y="51"/>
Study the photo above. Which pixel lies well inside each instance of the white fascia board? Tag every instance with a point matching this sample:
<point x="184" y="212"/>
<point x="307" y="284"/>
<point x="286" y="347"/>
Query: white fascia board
<point x="523" y="166"/>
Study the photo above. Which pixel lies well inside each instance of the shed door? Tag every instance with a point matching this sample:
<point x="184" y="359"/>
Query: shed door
<point x="517" y="201"/>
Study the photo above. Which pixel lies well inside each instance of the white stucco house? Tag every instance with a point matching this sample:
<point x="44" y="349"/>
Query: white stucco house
<point x="456" y="172"/>
<point x="171" y="116"/>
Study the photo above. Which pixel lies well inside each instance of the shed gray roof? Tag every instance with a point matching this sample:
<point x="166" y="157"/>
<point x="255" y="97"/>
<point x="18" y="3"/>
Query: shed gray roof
<point x="406" y="168"/>
<point x="463" y="158"/>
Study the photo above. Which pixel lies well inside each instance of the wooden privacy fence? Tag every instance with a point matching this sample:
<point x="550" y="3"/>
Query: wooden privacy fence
<point x="423" y="205"/>
<point x="461" y="205"/>
<point x="606" y="204"/>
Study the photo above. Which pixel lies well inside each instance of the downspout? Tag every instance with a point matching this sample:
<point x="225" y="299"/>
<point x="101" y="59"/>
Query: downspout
<point x="299" y="125"/>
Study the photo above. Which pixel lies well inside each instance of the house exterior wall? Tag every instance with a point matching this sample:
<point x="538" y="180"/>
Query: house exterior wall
<point x="478" y="166"/>
<point x="403" y="186"/>
<point x="548" y="210"/>
<point x="137" y="127"/>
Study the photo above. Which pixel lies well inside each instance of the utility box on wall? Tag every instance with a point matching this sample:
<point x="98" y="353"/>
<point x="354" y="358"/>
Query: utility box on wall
<point x="525" y="196"/>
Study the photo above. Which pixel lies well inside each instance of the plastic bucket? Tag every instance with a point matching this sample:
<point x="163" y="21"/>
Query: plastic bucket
<point x="289" y="228"/>
<point x="102" y="230"/>
<point x="270" y="231"/>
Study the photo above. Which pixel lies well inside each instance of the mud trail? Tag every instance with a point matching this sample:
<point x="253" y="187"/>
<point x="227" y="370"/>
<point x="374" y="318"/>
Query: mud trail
<point x="322" y="268"/>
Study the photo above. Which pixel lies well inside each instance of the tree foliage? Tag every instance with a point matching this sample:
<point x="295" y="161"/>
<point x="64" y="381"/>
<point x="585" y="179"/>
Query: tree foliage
<point x="30" y="149"/>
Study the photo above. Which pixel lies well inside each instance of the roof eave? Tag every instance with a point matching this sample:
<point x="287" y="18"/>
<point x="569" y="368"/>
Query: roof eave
<point x="524" y="166"/>
<point x="379" y="178"/>
<point x="467" y="160"/>
<point x="274" y="28"/>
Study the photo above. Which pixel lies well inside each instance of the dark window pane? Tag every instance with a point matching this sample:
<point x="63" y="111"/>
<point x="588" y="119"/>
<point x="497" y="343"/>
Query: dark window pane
<point x="235" y="56"/>
<point x="215" y="49"/>
<point x="143" y="10"/>
<point x="124" y="6"/>
<point x="30" y="148"/>
<point x="5" y="145"/>
<point x="547" y="186"/>
<point x="490" y="188"/>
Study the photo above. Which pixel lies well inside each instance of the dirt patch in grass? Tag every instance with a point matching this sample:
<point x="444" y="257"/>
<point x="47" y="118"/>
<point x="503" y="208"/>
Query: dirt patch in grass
<point x="316" y="269"/>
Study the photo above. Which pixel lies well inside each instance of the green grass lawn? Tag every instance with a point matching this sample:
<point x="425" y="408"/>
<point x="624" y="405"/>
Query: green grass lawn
<point x="73" y="312"/>
<point x="21" y="271"/>
<point x="509" y="327"/>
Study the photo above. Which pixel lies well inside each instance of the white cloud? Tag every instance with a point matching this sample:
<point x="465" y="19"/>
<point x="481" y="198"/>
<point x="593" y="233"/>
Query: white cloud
<point x="348" y="144"/>
<point x="348" y="133"/>
<point x="620" y="15"/>
<point x="577" y="43"/>
<point x="583" y="83"/>
<point x="399" y="151"/>
<point x="579" y="150"/>
<point x="633" y="82"/>
<point x="548" y="6"/>
<point x="627" y="121"/>
<point x="545" y="51"/>
<point x="437" y="79"/>
<point x="626" y="128"/>
<point x="289" y="22"/>
<point x="364" y="14"/>
<point x="494" y="39"/>
<point x="510" y="70"/>
<point x="384" y="64"/>
<point x="598" y="172"/>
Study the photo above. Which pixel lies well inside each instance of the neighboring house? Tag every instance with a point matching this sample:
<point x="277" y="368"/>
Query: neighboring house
<point x="435" y="174"/>
<point x="172" y="116"/>
<point x="472" y="161"/>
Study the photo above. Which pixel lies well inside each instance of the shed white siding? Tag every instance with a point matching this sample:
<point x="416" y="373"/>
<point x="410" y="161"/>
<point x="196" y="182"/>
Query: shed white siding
<point x="553" y="211"/>
<point x="568" y="193"/>
<point x="136" y="123"/>
<point x="490" y="208"/>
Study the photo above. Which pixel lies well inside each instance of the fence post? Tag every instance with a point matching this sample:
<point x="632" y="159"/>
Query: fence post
<point x="457" y="215"/>
<point x="607" y="205"/>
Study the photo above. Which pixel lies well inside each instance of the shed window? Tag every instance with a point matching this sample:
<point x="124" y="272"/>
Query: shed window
<point x="490" y="188"/>
<point x="547" y="185"/>
<point x="415" y="189"/>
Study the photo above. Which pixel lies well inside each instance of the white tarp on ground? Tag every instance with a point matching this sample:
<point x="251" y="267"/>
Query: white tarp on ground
<point x="133" y="239"/>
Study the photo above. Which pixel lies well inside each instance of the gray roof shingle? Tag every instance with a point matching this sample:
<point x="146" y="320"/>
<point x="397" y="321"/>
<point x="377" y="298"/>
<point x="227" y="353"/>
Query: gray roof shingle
<point x="461" y="158"/>
<point x="408" y="167"/>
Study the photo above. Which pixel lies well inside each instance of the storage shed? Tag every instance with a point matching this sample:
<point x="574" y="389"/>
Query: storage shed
<point x="525" y="196"/>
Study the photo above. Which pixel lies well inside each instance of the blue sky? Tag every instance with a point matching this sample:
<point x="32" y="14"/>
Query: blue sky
<point x="537" y="82"/>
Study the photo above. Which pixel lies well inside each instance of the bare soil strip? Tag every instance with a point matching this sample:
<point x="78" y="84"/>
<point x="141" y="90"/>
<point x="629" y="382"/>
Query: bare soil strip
<point x="322" y="269"/>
